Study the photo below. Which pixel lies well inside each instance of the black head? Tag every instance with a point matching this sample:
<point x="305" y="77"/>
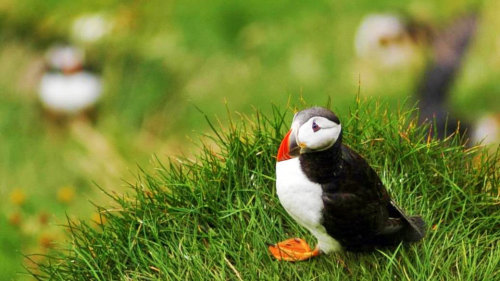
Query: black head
<point x="306" y="114"/>
<point x="313" y="129"/>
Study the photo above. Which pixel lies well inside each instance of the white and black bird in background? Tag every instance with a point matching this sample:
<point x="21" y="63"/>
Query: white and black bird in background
<point x="66" y="89"/>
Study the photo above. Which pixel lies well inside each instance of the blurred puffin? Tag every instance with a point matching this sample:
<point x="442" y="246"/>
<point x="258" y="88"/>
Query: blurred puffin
<point x="392" y="40"/>
<point x="66" y="90"/>
<point x="333" y="192"/>
<point x="387" y="40"/>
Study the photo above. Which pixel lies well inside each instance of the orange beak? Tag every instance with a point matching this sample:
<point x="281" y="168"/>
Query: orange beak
<point x="288" y="147"/>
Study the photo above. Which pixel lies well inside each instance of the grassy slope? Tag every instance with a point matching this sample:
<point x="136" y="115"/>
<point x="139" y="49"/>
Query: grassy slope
<point x="165" y="56"/>
<point x="210" y="218"/>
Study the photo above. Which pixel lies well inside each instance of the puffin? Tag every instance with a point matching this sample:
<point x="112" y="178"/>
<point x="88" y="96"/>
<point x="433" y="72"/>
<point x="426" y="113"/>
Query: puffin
<point x="386" y="40"/>
<point x="66" y="89"/>
<point x="332" y="191"/>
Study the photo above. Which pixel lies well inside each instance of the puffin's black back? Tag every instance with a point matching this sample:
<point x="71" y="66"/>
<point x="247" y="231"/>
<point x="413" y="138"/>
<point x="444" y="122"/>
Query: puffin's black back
<point x="358" y="211"/>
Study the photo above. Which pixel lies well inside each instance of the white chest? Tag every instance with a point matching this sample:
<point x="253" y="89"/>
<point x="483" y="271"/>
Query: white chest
<point x="69" y="93"/>
<point x="298" y="195"/>
<point x="301" y="198"/>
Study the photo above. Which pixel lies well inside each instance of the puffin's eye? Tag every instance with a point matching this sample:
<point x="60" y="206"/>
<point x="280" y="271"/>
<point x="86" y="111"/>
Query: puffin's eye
<point x="315" y="127"/>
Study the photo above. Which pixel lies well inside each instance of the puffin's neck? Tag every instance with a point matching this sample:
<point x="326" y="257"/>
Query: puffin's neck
<point x="322" y="166"/>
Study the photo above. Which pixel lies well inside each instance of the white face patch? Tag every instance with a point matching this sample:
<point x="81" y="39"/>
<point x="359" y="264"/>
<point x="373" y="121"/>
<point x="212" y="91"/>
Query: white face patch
<point x="318" y="133"/>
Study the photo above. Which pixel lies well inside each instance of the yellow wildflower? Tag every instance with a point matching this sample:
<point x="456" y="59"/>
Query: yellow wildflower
<point x="17" y="196"/>
<point x="66" y="194"/>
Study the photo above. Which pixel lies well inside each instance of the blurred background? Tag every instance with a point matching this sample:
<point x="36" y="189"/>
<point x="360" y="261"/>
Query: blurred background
<point x="91" y="90"/>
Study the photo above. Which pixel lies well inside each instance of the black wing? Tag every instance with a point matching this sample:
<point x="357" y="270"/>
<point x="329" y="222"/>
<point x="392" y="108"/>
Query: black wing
<point x="358" y="210"/>
<point x="355" y="203"/>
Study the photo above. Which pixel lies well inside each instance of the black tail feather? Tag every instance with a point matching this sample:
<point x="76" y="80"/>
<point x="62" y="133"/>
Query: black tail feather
<point x="414" y="226"/>
<point x="415" y="230"/>
<point x="398" y="228"/>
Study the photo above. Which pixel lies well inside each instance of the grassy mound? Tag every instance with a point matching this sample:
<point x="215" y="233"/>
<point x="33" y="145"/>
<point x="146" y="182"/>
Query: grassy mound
<point x="211" y="218"/>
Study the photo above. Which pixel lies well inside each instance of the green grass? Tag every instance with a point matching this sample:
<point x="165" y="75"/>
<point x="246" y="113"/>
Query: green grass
<point x="210" y="217"/>
<point x="165" y="56"/>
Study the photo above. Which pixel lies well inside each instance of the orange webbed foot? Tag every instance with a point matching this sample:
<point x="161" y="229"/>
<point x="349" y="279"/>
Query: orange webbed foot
<point x="293" y="249"/>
